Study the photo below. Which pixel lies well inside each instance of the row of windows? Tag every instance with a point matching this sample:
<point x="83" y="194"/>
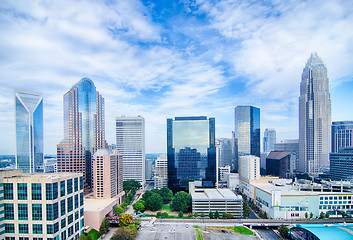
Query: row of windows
<point x="336" y="198"/>
<point x="52" y="211"/>
<point x="336" y="207"/>
<point x="51" y="189"/>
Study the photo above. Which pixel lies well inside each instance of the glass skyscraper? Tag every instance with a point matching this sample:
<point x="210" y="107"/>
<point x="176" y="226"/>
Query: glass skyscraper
<point x="314" y="116"/>
<point x="247" y="131"/>
<point x="84" y="130"/>
<point x="130" y="141"/>
<point x="191" y="152"/>
<point x="342" y="135"/>
<point x="29" y="130"/>
<point x="269" y="139"/>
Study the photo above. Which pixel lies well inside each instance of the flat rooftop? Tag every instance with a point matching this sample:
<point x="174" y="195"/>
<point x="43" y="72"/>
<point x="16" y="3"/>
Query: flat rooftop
<point x="214" y="194"/>
<point x="95" y="205"/>
<point x="329" y="231"/>
<point x="16" y="174"/>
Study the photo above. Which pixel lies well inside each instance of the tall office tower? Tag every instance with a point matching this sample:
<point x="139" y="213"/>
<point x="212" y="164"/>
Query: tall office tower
<point x="84" y="130"/>
<point x="342" y="135"/>
<point x="249" y="168"/>
<point x="224" y="152"/>
<point x="314" y="116"/>
<point x="106" y="173"/>
<point x="341" y="164"/>
<point x="130" y="142"/>
<point x="161" y="176"/>
<point x="41" y="206"/>
<point x="269" y="139"/>
<point x="191" y="152"/>
<point x="291" y="145"/>
<point x="148" y="173"/>
<point x="29" y="131"/>
<point x="247" y="131"/>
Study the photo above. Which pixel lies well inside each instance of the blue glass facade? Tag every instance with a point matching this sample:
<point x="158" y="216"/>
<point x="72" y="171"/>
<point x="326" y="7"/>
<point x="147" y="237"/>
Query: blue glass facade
<point x="342" y="135"/>
<point x="29" y="130"/>
<point x="247" y="131"/>
<point x="191" y="151"/>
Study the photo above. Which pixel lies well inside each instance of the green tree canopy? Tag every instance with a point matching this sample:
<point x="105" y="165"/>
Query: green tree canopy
<point x="154" y="202"/>
<point x="216" y="215"/>
<point x="104" y="227"/>
<point x="146" y="195"/>
<point x="165" y="215"/>
<point x="128" y="185"/>
<point x="210" y="214"/>
<point x="166" y="194"/>
<point x="180" y="214"/>
<point x="119" y="210"/>
<point x="181" y="202"/>
<point x="138" y="206"/>
<point x="283" y="230"/>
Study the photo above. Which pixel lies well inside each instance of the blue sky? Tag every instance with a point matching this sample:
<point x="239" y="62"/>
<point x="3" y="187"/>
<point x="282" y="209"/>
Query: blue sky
<point x="162" y="59"/>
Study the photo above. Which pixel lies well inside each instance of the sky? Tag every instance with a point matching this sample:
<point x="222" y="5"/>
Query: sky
<point x="162" y="59"/>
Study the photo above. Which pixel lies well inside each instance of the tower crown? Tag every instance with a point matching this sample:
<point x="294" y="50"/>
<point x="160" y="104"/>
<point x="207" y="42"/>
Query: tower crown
<point x="314" y="60"/>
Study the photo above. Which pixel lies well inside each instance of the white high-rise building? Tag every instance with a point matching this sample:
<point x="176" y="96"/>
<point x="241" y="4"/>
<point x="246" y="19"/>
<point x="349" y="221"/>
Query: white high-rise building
<point x="249" y="168"/>
<point x="314" y="116"/>
<point x="161" y="176"/>
<point x="130" y="142"/>
<point x="269" y="139"/>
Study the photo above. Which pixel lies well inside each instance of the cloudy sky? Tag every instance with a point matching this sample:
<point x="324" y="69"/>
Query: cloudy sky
<point x="163" y="59"/>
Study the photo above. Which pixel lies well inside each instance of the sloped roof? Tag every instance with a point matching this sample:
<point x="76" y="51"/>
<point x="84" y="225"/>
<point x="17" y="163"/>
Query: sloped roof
<point x="278" y="154"/>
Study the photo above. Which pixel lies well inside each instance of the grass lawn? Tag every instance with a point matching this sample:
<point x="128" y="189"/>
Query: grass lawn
<point x="166" y="208"/>
<point x="243" y="230"/>
<point x="94" y="234"/>
<point x="198" y="234"/>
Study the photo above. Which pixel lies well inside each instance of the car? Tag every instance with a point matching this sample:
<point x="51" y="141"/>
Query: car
<point x="152" y="229"/>
<point x="186" y="225"/>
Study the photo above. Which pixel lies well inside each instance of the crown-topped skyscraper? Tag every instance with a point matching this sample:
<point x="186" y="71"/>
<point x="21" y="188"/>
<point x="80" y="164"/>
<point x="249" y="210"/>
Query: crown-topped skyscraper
<point x="314" y="116"/>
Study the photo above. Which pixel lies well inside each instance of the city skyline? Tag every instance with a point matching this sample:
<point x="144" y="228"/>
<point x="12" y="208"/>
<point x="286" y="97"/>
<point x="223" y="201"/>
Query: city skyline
<point x="136" y="53"/>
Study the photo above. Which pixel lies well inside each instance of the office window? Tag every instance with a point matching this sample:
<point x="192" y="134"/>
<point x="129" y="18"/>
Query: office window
<point x="50" y="229"/>
<point x="81" y="199"/>
<point x="37" y="238"/>
<point x="70" y="231"/>
<point x="50" y="214"/>
<point x="77" y="215"/>
<point x="69" y="204"/>
<point x="56" y="227"/>
<point x="37" y="212"/>
<point x="10" y="238"/>
<point x="63" y="223"/>
<point x="70" y="219"/>
<point x="82" y="223"/>
<point x="69" y="186"/>
<point x="37" y="229"/>
<point x="81" y="212"/>
<point x="81" y="183"/>
<point x="76" y="201"/>
<point x="9" y="211"/>
<point x="22" y="191"/>
<point x="23" y="238"/>
<point x="55" y="190"/>
<point x="36" y="191"/>
<point x="23" y="228"/>
<point x="62" y="207"/>
<point x="77" y="226"/>
<point x="62" y="188"/>
<point x="9" y="228"/>
<point x="76" y="184"/>
<point x="63" y="235"/>
<point x="56" y="210"/>
<point x="8" y="191"/>
<point x="49" y="191"/>
<point x="22" y="212"/>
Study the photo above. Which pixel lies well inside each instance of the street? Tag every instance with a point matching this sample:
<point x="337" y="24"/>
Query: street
<point x="268" y="234"/>
<point x="173" y="232"/>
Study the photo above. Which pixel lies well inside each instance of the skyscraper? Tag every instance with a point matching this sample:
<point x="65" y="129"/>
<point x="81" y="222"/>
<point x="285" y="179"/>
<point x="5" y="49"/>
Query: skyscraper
<point x="314" y="116"/>
<point x="130" y="142"/>
<point x="342" y="135"/>
<point x="84" y="130"/>
<point x="269" y="139"/>
<point x="29" y="131"/>
<point x="224" y="151"/>
<point x="191" y="151"/>
<point x="247" y="131"/>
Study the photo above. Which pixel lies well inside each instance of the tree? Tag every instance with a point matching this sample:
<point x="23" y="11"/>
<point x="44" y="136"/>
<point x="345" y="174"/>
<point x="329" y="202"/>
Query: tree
<point x="138" y="206"/>
<point x="322" y="215"/>
<point x="166" y="194"/>
<point x="181" y="214"/>
<point x="85" y="237"/>
<point x="165" y="215"/>
<point x="196" y="215"/>
<point x="283" y="230"/>
<point x="229" y="216"/>
<point x="125" y="220"/>
<point x="154" y="202"/>
<point x="146" y="195"/>
<point x="210" y="214"/>
<point x="159" y="214"/>
<point x="202" y="215"/>
<point x="119" y="210"/>
<point x="311" y="215"/>
<point x="246" y="209"/>
<point x="130" y="184"/>
<point x="181" y="202"/>
<point x="104" y="227"/>
<point x="327" y="215"/>
<point x="224" y="215"/>
<point x="216" y="215"/>
<point x="306" y="215"/>
<point x="343" y="214"/>
<point x="123" y="233"/>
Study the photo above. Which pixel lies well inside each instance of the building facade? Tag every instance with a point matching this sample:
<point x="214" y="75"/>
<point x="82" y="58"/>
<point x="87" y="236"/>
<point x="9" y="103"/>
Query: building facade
<point x="269" y="139"/>
<point x="280" y="164"/>
<point x="314" y="116"/>
<point x="342" y="135"/>
<point x="247" y="131"/>
<point x="191" y="151"/>
<point x="161" y="174"/>
<point x="107" y="180"/>
<point x="341" y="164"/>
<point x="224" y="152"/>
<point x="130" y="142"/>
<point x="289" y="145"/>
<point x="42" y="206"/>
<point x="148" y="173"/>
<point x="84" y="130"/>
<point x="249" y="168"/>
<point x="222" y="171"/>
<point x="29" y="131"/>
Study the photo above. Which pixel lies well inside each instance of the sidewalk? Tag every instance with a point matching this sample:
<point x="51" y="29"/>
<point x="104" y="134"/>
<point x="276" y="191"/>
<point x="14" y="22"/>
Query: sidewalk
<point x="109" y="234"/>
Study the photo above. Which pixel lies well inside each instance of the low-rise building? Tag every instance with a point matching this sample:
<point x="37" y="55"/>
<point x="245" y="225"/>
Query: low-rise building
<point x="41" y="206"/>
<point x="161" y="175"/>
<point x="222" y="171"/>
<point x="205" y="200"/>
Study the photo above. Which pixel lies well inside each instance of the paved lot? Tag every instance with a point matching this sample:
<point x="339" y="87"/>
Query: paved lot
<point x="217" y="234"/>
<point x="267" y="234"/>
<point x="163" y="232"/>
